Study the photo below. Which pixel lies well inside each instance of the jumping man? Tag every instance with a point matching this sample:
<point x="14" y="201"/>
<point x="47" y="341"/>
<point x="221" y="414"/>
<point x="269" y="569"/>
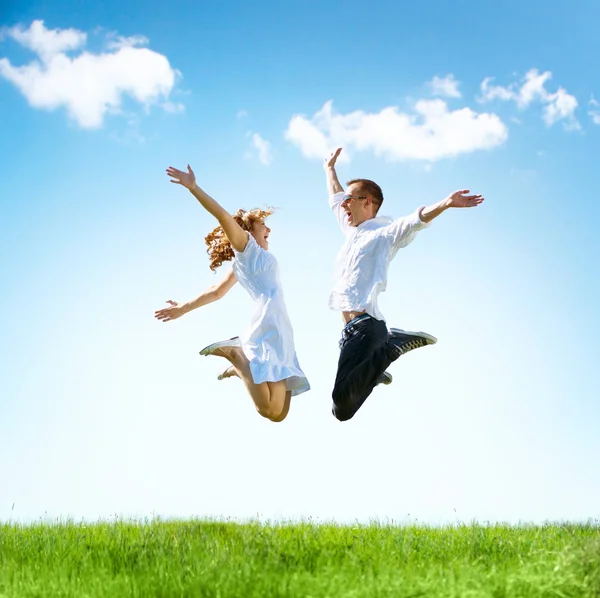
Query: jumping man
<point x="372" y="241"/>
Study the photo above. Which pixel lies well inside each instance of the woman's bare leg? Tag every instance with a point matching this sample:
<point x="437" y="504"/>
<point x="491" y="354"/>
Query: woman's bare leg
<point x="270" y="398"/>
<point x="286" y="406"/>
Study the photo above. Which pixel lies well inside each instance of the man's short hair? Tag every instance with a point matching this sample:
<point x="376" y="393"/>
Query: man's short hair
<point x="370" y="188"/>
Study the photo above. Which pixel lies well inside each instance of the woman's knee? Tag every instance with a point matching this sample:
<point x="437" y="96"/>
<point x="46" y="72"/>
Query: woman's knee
<point x="279" y="418"/>
<point x="272" y="412"/>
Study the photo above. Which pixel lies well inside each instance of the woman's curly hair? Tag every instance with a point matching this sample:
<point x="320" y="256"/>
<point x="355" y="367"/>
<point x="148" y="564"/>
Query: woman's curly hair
<point x="219" y="248"/>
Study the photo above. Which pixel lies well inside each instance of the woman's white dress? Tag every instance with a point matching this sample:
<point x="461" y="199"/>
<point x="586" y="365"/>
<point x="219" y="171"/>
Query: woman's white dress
<point x="268" y="343"/>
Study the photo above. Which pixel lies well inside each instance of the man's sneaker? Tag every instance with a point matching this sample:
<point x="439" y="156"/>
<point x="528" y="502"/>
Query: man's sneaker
<point x="385" y="378"/>
<point x="403" y="341"/>
<point x="231" y="342"/>
<point x="228" y="373"/>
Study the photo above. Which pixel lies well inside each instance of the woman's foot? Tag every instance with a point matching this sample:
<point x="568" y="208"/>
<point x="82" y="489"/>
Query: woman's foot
<point x="230" y="372"/>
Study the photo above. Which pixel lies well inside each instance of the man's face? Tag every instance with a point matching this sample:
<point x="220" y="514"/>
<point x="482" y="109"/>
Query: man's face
<point x="356" y="205"/>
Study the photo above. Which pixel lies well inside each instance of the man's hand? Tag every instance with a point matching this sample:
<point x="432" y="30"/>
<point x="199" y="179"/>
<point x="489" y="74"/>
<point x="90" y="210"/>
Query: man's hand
<point x="460" y="199"/>
<point x="172" y="312"/>
<point x="330" y="162"/>
<point x="187" y="179"/>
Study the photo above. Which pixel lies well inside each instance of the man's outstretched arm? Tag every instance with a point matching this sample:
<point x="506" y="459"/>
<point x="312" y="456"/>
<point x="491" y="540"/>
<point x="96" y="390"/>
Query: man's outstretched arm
<point x="404" y="230"/>
<point x="458" y="199"/>
<point x="333" y="184"/>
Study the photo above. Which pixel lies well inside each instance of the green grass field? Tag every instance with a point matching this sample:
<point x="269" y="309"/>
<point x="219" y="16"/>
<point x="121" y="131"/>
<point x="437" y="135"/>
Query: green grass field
<point x="199" y="558"/>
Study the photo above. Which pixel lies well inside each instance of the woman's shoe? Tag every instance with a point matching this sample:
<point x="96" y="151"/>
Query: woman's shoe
<point x="232" y="342"/>
<point x="228" y="373"/>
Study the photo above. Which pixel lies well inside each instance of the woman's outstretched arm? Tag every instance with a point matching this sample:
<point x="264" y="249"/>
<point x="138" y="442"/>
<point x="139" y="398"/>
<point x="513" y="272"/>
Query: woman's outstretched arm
<point x="237" y="236"/>
<point x="213" y="293"/>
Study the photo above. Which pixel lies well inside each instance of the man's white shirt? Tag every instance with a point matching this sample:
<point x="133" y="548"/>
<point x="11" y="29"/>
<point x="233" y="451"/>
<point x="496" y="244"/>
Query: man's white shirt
<point x="362" y="264"/>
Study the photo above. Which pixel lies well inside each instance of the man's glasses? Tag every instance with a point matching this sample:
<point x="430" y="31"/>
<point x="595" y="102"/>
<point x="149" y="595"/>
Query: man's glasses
<point x="349" y="197"/>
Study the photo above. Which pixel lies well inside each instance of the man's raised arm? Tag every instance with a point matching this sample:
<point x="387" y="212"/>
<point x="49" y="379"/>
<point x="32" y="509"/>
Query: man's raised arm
<point x="458" y="199"/>
<point x="333" y="184"/>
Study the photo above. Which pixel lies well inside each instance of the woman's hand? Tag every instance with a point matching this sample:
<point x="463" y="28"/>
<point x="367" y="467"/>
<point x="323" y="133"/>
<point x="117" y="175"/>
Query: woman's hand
<point x="187" y="179"/>
<point x="172" y="312"/>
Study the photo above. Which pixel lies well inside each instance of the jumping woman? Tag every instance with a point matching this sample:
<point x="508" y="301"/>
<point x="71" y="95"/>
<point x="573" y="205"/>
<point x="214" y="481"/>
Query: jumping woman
<point x="264" y="357"/>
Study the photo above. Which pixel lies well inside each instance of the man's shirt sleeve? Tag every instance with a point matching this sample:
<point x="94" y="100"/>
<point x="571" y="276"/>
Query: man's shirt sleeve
<point x="402" y="231"/>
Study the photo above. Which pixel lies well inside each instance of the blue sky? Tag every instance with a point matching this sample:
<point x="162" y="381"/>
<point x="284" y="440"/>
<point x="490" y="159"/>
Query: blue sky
<point x="104" y="411"/>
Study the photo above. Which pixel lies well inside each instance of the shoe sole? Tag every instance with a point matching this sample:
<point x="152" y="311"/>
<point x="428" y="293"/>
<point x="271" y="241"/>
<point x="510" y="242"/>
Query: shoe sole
<point x="431" y="340"/>
<point x="386" y="379"/>
<point x="231" y="342"/>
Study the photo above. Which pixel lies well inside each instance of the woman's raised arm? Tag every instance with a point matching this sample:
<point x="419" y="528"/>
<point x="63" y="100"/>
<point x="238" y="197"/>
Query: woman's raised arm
<point x="237" y="236"/>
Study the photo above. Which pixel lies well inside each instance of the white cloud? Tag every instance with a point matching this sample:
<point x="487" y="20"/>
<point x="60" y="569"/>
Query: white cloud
<point x="431" y="133"/>
<point x="445" y="86"/>
<point x="47" y="43"/>
<point x="88" y="85"/>
<point x="241" y="114"/>
<point x="531" y="89"/>
<point x="264" y="149"/>
<point x="557" y="106"/>
<point x="594" y="112"/>
<point x="492" y="92"/>
<point x="311" y="136"/>
<point x="126" y="42"/>
<point x="561" y="106"/>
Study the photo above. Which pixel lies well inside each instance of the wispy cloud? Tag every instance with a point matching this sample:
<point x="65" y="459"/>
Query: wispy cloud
<point x="557" y="106"/>
<point x="173" y="107"/>
<point x="431" y="133"/>
<point x="594" y="111"/>
<point x="264" y="149"/>
<point x="119" y="41"/>
<point x="88" y="85"/>
<point x="444" y="86"/>
<point x="241" y="114"/>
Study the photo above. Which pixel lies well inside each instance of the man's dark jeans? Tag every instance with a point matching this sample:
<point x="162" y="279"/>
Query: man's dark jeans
<point x="364" y="356"/>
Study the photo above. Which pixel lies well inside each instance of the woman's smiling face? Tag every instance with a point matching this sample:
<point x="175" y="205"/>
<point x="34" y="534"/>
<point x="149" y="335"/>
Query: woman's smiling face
<point x="260" y="231"/>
